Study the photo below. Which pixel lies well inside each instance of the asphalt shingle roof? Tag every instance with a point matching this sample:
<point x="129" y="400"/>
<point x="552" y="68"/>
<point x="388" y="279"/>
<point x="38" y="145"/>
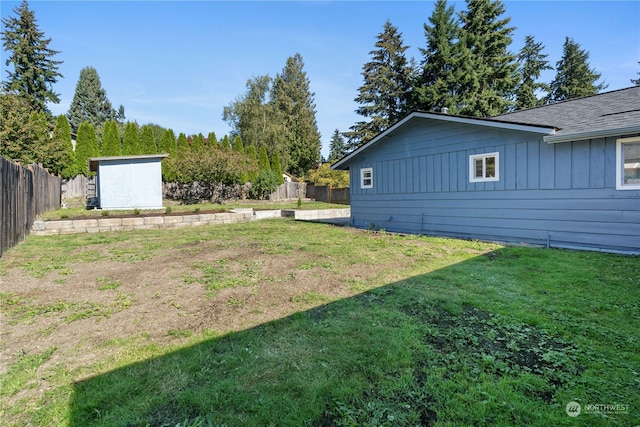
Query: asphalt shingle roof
<point x="613" y="110"/>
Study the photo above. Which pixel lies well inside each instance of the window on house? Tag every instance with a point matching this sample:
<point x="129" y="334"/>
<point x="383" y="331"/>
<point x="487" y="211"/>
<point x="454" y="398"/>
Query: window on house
<point x="628" y="164"/>
<point x="366" y="178"/>
<point x="484" y="167"/>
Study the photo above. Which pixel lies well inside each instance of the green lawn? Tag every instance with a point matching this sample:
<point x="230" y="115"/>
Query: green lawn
<point x="417" y="331"/>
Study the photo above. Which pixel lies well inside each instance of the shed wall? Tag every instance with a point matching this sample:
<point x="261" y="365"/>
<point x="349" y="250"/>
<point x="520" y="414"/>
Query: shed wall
<point x="130" y="184"/>
<point x="559" y="195"/>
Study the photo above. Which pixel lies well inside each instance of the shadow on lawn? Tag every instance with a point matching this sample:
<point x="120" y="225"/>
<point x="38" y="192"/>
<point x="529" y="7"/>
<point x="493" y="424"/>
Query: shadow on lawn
<point x="389" y="356"/>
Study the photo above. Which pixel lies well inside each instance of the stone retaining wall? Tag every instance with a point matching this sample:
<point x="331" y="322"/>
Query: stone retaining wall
<point x="97" y="225"/>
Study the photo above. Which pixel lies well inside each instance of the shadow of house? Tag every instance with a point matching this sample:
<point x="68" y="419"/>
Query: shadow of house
<point x="381" y="355"/>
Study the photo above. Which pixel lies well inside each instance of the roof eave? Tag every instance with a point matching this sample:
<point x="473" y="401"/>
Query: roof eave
<point x="488" y="122"/>
<point x="555" y="139"/>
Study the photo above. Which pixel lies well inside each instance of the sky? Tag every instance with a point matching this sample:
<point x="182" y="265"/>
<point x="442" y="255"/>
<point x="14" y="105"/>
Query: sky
<point x="179" y="63"/>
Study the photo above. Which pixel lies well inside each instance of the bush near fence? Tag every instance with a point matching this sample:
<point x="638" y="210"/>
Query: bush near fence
<point x="26" y="193"/>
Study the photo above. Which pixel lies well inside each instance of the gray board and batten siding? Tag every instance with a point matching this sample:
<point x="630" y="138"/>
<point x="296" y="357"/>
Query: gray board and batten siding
<point x="549" y="194"/>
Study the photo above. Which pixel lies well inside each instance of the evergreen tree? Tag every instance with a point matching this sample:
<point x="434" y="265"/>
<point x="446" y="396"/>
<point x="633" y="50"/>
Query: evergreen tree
<point x="63" y="148"/>
<point x="197" y="144"/>
<point x="225" y="144"/>
<point x="437" y="85"/>
<point x="131" y="139"/>
<point x="237" y="145"/>
<point x="147" y="141"/>
<point x="168" y="143"/>
<point x="90" y="102"/>
<point x="276" y="167"/>
<point x="574" y="77"/>
<point x="263" y="159"/>
<point x="296" y="113"/>
<point x="34" y="69"/>
<point x="337" y="147"/>
<point x="111" y="140"/>
<point x="385" y="93"/>
<point x="253" y="157"/>
<point x="182" y="145"/>
<point x="487" y="70"/>
<point x="86" y="147"/>
<point x="532" y="62"/>
<point x="212" y="141"/>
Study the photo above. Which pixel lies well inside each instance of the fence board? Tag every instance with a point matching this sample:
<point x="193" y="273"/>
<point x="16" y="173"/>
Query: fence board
<point x="75" y="187"/>
<point x="327" y="194"/>
<point x="26" y="193"/>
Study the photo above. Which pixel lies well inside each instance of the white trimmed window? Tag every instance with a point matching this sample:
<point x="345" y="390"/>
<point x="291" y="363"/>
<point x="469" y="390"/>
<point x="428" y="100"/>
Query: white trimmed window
<point x="628" y="164"/>
<point x="484" y="167"/>
<point x="366" y="178"/>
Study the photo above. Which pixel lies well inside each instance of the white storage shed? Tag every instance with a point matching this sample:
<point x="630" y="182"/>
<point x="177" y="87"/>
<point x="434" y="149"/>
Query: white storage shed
<point x="128" y="182"/>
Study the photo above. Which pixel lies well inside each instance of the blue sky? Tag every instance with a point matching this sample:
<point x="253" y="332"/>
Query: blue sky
<point x="177" y="64"/>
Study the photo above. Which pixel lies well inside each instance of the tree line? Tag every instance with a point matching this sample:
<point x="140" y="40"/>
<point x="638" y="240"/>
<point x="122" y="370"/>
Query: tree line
<point x="465" y="68"/>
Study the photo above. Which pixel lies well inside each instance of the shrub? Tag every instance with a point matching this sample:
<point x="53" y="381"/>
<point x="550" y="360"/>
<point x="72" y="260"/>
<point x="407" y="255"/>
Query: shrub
<point x="265" y="183"/>
<point x="324" y="175"/>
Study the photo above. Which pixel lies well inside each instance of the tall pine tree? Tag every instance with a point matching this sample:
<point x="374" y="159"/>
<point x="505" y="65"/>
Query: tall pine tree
<point x="384" y="95"/>
<point x="90" y="102"/>
<point x="296" y="109"/>
<point x="574" y="77"/>
<point x="436" y="88"/>
<point x="34" y="69"/>
<point x="487" y="71"/>
<point x="532" y="63"/>
<point x="337" y="147"/>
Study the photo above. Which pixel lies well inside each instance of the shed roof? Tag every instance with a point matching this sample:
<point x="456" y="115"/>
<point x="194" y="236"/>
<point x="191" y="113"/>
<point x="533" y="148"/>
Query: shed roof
<point x="94" y="161"/>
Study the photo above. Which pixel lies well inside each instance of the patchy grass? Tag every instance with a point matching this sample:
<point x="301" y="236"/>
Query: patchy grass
<point x="355" y="328"/>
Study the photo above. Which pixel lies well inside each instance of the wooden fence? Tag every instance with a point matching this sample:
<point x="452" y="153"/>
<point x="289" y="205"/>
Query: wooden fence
<point x="74" y="187"/>
<point x="327" y="194"/>
<point x="26" y="193"/>
<point x="289" y="191"/>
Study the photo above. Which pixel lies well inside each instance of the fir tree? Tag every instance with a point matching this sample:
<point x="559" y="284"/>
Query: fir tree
<point x="111" y="140"/>
<point x="532" y="63"/>
<point x="168" y="143"/>
<point x="436" y="88"/>
<point x="263" y="159"/>
<point x="90" y="102"/>
<point x="147" y="141"/>
<point x="385" y="93"/>
<point x="131" y="139"/>
<point x="212" y="141"/>
<point x="86" y="147"/>
<point x="574" y="77"/>
<point x="296" y="112"/>
<point x="337" y="146"/>
<point x="197" y="144"/>
<point x="276" y="167"/>
<point x="182" y="145"/>
<point x="487" y="71"/>
<point x="34" y="71"/>
<point x="238" y="147"/>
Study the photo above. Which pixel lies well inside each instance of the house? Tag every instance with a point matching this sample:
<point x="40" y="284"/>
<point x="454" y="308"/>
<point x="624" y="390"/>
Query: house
<point x="563" y="175"/>
<point x="128" y="182"/>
